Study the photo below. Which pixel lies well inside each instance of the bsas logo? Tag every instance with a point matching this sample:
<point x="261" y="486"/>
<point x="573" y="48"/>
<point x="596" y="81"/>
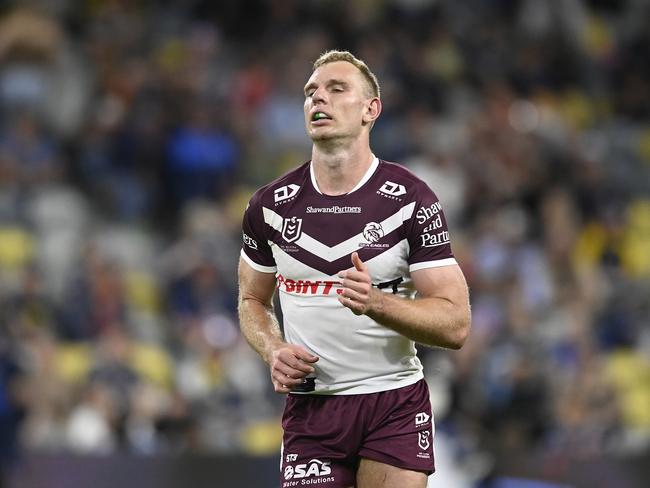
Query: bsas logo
<point x="285" y="192"/>
<point x="314" y="467"/>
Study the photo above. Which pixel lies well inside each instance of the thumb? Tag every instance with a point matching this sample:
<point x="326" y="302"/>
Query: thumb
<point x="356" y="261"/>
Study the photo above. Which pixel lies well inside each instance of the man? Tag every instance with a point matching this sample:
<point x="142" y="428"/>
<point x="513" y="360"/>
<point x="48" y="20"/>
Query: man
<point x="347" y="240"/>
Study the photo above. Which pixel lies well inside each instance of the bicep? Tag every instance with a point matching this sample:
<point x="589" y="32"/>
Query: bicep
<point x="255" y="284"/>
<point x="446" y="282"/>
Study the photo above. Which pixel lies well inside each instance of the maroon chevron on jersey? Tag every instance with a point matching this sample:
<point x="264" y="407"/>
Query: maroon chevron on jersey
<point x="396" y="224"/>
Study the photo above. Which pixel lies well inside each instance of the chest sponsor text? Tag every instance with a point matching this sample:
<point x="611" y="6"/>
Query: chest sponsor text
<point x="308" y="287"/>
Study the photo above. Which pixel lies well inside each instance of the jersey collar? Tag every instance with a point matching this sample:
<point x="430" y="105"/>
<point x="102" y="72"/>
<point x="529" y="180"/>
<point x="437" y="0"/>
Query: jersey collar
<point x="366" y="177"/>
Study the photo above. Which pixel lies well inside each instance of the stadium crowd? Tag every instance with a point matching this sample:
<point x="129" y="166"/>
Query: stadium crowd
<point x="133" y="133"/>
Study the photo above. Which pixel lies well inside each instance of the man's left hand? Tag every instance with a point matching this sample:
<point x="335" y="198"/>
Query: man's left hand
<point x="357" y="292"/>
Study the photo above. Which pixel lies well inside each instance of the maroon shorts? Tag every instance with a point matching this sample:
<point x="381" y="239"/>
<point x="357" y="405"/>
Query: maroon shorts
<point x="326" y="435"/>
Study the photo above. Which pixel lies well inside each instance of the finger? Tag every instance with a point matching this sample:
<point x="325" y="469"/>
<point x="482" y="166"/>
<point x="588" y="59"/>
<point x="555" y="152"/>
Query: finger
<point x="354" y="295"/>
<point x="280" y="388"/>
<point x="358" y="264"/>
<point x="287" y="370"/>
<point x="305" y="355"/>
<point x="356" y="308"/>
<point x="285" y="380"/>
<point x="302" y="366"/>
<point x="362" y="287"/>
<point x="289" y="364"/>
<point x="355" y="275"/>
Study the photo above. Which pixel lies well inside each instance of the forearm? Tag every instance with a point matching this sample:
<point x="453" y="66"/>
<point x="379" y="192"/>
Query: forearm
<point x="432" y="321"/>
<point x="260" y="326"/>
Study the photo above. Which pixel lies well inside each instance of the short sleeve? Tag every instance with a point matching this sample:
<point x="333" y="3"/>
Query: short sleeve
<point x="428" y="235"/>
<point x="255" y="248"/>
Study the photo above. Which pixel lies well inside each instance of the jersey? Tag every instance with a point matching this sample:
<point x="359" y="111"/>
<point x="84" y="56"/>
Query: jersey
<point x="396" y="224"/>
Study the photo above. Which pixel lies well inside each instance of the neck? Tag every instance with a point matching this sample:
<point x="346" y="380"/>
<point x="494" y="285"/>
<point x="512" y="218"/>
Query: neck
<point x="339" y="169"/>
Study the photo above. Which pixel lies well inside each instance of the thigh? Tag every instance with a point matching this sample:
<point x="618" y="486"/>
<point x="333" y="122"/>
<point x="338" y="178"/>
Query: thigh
<point x="320" y="442"/>
<point x="373" y="474"/>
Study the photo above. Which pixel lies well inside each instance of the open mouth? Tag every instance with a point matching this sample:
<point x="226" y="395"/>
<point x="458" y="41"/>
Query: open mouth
<point x="316" y="116"/>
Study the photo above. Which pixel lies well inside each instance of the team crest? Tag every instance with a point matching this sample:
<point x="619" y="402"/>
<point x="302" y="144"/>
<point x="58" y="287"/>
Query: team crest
<point x="292" y="229"/>
<point x="372" y="232"/>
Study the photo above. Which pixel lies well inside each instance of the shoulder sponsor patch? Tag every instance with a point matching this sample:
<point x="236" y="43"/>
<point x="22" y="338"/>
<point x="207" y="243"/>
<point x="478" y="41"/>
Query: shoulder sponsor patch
<point x="249" y="241"/>
<point x="392" y="189"/>
<point x="285" y="192"/>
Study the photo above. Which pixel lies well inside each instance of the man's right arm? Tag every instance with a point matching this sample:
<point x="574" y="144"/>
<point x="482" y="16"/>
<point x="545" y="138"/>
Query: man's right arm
<point x="289" y="363"/>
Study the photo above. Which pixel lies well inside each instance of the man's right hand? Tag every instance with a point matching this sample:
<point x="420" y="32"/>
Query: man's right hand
<point x="289" y="364"/>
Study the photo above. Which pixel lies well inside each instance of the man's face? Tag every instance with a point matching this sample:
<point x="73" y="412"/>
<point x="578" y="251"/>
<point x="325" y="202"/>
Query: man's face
<point x="335" y="102"/>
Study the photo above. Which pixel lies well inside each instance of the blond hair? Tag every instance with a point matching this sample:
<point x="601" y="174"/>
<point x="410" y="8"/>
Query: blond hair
<point x="334" y="56"/>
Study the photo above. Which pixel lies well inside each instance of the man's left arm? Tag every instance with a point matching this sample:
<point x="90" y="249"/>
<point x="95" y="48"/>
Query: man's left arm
<point x="438" y="316"/>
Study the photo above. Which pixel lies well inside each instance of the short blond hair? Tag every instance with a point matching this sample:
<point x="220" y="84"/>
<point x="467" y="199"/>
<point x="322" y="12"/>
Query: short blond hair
<point x="334" y="56"/>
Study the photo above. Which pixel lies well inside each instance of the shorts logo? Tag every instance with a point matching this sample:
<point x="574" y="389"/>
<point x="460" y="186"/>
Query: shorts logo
<point x="421" y="418"/>
<point x="423" y="439"/>
<point x="372" y="232"/>
<point x="292" y="229"/>
<point x="285" y="192"/>
<point x="393" y="189"/>
<point x="314" y="467"/>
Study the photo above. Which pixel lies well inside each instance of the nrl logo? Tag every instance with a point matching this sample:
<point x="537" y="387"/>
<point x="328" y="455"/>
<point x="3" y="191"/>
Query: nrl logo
<point x="291" y="229"/>
<point x="372" y="232"/>
<point x="423" y="439"/>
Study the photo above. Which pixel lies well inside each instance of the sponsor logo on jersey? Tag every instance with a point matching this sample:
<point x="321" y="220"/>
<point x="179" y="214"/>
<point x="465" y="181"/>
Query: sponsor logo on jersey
<point x="435" y="223"/>
<point x="291" y="457"/>
<point x="285" y="193"/>
<point x="292" y="229"/>
<point x="312" y="469"/>
<point x="392" y="190"/>
<point x="423" y="439"/>
<point x="430" y="239"/>
<point x="333" y="210"/>
<point x="421" y="418"/>
<point x="425" y="213"/>
<point x="372" y="232"/>
<point x="249" y="241"/>
<point x="308" y="287"/>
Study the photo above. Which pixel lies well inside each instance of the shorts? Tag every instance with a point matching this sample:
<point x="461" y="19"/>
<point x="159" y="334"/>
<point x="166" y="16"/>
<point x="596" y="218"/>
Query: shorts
<point x="325" y="436"/>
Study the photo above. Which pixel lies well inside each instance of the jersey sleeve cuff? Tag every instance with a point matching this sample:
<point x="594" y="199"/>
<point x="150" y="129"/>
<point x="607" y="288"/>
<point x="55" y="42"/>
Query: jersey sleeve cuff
<point x="257" y="267"/>
<point x="433" y="264"/>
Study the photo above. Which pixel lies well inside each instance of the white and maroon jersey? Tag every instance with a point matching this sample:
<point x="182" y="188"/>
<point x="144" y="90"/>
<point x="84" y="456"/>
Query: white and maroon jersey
<point x="396" y="224"/>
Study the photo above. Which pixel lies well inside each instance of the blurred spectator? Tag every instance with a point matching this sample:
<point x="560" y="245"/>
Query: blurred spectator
<point x="202" y="155"/>
<point x="11" y="408"/>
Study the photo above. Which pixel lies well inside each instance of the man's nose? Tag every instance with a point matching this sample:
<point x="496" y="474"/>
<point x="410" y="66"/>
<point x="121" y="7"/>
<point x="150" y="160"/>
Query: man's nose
<point x="319" y="96"/>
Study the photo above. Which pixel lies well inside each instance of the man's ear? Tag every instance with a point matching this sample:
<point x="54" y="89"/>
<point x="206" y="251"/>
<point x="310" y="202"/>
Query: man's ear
<point x="373" y="110"/>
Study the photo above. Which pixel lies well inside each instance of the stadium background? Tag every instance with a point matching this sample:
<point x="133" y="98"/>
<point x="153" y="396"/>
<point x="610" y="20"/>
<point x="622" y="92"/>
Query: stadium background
<point x="132" y="134"/>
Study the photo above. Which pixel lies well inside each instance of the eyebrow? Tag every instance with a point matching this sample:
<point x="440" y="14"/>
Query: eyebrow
<point x="330" y="82"/>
